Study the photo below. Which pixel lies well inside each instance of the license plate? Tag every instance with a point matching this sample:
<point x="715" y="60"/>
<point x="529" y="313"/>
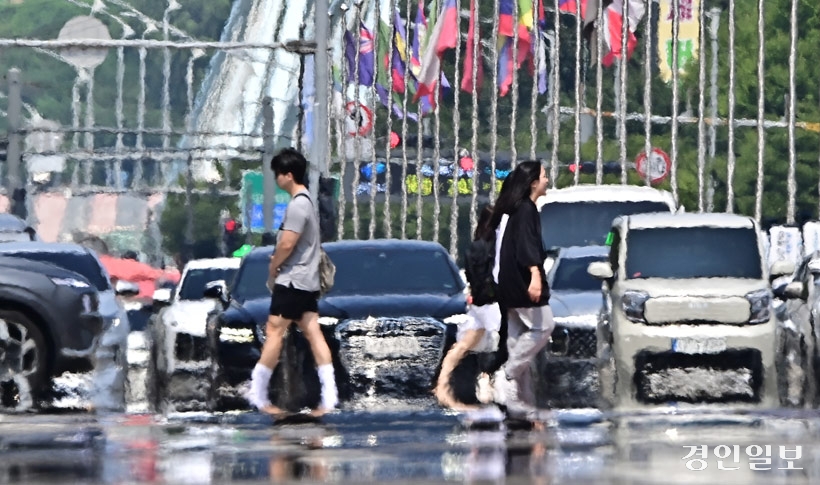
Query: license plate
<point x="698" y="345"/>
<point x="391" y="347"/>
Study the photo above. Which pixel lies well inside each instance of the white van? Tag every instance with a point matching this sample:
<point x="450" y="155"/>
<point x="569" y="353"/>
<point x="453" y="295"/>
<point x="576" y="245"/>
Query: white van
<point x="688" y="312"/>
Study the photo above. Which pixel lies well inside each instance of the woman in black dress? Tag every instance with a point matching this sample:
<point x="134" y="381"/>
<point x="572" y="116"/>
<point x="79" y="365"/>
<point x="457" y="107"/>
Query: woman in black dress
<point x="522" y="283"/>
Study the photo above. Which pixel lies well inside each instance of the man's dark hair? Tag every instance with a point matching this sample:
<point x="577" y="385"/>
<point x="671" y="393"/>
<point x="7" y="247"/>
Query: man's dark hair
<point x="290" y="160"/>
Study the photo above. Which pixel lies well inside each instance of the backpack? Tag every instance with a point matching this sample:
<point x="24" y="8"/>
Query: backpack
<point x="478" y="266"/>
<point x="327" y="270"/>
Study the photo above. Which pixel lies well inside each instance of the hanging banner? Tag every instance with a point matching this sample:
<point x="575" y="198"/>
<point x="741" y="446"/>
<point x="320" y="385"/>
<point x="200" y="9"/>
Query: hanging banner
<point x="688" y="28"/>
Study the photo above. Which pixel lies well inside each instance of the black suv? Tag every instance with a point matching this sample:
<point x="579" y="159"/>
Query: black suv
<point x="49" y="324"/>
<point x="388" y="321"/>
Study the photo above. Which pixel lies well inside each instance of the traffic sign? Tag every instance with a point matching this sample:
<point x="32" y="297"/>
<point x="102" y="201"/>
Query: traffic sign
<point x="362" y="118"/>
<point x="657" y="165"/>
<point x="252" y="203"/>
<point x="86" y="28"/>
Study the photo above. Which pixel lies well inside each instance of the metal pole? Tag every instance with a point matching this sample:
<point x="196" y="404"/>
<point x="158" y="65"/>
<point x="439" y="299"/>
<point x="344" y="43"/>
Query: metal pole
<point x="321" y="118"/>
<point x="189" y="210"/>
<point x="714" y="15"/>
<point x="268" y="179"/>
<point x="14" y="165"/>
<point x="616" y="88"/>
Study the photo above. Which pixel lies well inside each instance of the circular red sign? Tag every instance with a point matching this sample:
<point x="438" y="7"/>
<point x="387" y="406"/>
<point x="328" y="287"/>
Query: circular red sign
<point x="361" y="116"/>
<point x="657" y="165"/>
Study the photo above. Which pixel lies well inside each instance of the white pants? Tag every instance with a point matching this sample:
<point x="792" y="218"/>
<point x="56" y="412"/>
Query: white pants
<point x="484" y="317"/>
<point x="529" y="330"/>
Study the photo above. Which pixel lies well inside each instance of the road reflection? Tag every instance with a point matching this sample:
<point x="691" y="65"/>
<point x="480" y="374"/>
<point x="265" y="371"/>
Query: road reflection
<point x="424" y="446"/>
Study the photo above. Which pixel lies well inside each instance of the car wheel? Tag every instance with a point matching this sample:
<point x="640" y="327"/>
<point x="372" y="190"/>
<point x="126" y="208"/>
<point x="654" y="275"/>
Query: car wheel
<point x="216" y="377"/>
<point x="793" y="366"/>
<point x="607" y="376"/>
<point x="216" y="400"/>
<point x="23" y="362"/>
<point x="155" y="387"/>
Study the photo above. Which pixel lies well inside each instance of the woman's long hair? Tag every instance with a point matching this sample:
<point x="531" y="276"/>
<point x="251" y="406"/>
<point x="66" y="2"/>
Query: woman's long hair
<point x="515" y="189"/>
<point x="484" y="229"/>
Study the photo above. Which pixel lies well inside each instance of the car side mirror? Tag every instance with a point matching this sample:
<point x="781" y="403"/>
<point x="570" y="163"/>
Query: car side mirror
<point x="600" y="270"/>
<point x="126" y="288"/>
<point x="161" y="297"/>
<point x="217" y="290"/>
<point x="549" y="262"/>
<point x="781" y="268"/>
<point x="793" y="290"/>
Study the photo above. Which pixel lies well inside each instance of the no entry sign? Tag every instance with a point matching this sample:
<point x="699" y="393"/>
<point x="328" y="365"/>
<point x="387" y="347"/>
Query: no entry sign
<point x="657" y="165"/>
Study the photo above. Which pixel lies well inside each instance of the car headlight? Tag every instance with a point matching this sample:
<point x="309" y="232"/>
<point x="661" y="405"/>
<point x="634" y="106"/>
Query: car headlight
<point x="72" y="282"/>
<point x="633" y="303"/>
<point x="328" y="321"/>
<point x="236" y="335"/>
<point x="456" y="319"/>
<point x="760" y="303"/>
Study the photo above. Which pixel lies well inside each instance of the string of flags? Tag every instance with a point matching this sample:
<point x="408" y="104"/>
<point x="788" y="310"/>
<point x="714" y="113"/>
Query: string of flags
<point x="399" y="65"/>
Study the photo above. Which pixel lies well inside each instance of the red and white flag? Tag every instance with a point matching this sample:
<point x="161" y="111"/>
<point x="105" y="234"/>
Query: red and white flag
<point x="612" y="29"/>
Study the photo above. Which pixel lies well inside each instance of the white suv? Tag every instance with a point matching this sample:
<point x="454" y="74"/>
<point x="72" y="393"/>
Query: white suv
<point x="688" y="312"/>
<point x="178" y="354"/>
<point x="581" y="215"/>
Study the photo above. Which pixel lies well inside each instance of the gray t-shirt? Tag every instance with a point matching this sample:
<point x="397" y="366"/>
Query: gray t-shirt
<point x="301" y="269"/>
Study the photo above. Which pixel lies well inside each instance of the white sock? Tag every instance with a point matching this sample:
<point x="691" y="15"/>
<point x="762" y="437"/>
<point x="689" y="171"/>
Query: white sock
<point x="260" y="379"/>
<point x="327" y="377"/>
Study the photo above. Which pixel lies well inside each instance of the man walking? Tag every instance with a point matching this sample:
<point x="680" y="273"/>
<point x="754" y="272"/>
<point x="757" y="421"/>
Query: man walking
<point x="294" y="268"/>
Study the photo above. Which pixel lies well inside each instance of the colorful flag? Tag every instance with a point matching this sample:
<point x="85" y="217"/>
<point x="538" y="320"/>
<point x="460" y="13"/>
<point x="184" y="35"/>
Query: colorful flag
<point x="395" y="104"/>
<point x="449" y="36"/>
<point x="366" y="57"/>
<point x="429" y="74"/>
<point x="612" y="29"/>
<point x="399" y="53"/>
<point x="472" y="33"/>
<point x="505" y="65"/>
<point x="420" y="33"/>
<point x="543" y="74"/>
<point x="589" y="9"/>
<point x="426" y="103"/>
<point x="506" y="22"/>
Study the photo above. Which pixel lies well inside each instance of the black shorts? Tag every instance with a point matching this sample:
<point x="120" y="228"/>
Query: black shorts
<point x="291" y="303"/>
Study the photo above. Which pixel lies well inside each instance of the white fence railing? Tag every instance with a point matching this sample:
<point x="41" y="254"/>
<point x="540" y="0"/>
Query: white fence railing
<point x="427" y="113"/>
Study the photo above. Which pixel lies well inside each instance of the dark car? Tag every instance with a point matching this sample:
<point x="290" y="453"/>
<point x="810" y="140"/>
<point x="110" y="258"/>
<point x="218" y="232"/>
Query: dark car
<point x="568" y="376"/>
<point x="113" y="345"/>
<point x="387" y="320"/>
<point x="49" y="324"/>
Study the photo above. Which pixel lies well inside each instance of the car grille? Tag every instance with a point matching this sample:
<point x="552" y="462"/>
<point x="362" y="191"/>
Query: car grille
<point x="391" y="356"/>
<point x="574" y="342"/>
<point x="734" y="375"/>
<point x="189" y="348"/>
<point x="733" y="310"/>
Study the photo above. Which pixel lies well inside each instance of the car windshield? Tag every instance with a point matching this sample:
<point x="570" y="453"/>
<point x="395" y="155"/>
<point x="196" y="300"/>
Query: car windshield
<point x="82" y="263"/>
<point x="570" y="274"/>
<point x="693" y="252"/>
<point x="375" y="271"/>
<point x="193" y="285"/>
<point x="566" y="224"/>
<point x="250" y="281"/>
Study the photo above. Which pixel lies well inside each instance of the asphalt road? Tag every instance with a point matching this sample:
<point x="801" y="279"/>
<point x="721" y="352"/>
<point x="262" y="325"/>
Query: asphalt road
<point x="419" y="443"/>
